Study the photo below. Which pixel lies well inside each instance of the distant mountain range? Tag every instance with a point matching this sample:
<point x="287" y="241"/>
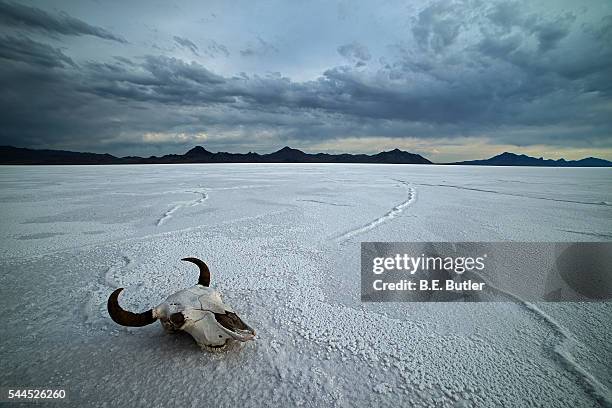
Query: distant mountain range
<point x="17" y="155"/>
<point x="511" y="159"/>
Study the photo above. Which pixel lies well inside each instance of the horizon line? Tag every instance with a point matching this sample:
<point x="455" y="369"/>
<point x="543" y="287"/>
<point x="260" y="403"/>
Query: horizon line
<point x="287" y="147"/>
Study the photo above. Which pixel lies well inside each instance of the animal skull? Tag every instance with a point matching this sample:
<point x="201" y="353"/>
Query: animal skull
<point x="198" y="310"/>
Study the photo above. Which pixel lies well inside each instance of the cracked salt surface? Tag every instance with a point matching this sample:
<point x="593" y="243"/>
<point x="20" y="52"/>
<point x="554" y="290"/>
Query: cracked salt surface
<point x="272" y="243"/>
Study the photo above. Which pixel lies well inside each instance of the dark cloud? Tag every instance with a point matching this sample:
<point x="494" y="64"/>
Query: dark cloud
<point x="25" y="50"/>
<point x="549" y="33"/>
<point x="43" y="106"/>
<point x="500" y="47"/>
<point x="259" y="47"/>
<point x="215" y="49"/>
<point x="508" y="14"/>
<point x="467" y="100"/>
<point x="603" y="31"/>
<point x="158" y="79"/>
<point x="186" y="43"/>
<point x="355" y="52"/>
<point x="123" y="60"/>
<point x="438" y="25"/>
<point x="171" y="71"/>
<point x="20" y="16"/>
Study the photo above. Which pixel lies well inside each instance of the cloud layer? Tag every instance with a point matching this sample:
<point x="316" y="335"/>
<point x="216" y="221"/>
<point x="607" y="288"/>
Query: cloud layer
<point x="499" y="73"/>
<point x="34" y="19"/>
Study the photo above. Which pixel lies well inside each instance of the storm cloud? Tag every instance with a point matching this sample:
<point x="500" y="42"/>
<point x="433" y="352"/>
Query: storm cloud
<point x="30" y="18"/>
<point x="184" y="42"/>
<point x="23" y="49"/>
<point x="502" y="73"/>
<point x="355" y="52"/>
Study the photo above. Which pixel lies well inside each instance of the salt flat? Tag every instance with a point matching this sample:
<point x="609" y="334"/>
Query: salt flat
<point x="282" y="242"/>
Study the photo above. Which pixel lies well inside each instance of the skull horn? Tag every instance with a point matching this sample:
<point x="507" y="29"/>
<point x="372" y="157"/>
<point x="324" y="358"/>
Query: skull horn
<point x="125" y="318"/>
<point x="204" y="279"/>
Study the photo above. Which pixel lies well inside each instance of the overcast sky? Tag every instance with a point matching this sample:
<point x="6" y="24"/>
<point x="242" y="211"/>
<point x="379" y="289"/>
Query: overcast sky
<point x="451" y="80"/>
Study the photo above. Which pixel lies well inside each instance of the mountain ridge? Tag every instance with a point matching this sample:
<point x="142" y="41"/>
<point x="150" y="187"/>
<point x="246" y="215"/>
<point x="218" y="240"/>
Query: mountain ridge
<point x="513" y="159"/>
<point x="198" y="154"/>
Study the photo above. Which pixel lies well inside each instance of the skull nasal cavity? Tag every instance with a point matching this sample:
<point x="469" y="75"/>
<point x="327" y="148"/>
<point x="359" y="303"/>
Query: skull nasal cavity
<point x="177" y="319"/>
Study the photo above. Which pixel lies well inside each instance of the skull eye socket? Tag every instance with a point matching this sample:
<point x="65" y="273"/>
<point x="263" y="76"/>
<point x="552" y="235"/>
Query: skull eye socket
<point x="177" y="319"/>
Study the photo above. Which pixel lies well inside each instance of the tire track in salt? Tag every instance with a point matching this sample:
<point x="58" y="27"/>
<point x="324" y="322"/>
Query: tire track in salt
<point x="200" y="200"/>
<point x="168" y="214"/>
<point x="563" y="348"/>
<point x="389" y="215"/>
